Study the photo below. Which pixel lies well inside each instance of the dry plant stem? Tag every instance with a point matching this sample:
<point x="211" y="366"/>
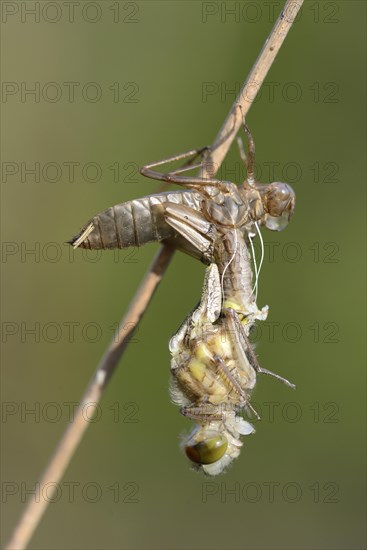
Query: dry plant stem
<point x="252" y="85"/>
<point x="73" y="435"/>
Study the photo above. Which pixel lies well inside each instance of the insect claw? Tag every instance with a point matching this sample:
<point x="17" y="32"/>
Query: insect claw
<point x="252" y="410"/>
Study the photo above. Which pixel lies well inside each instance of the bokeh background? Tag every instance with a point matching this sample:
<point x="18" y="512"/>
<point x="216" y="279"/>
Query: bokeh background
<point x="119" y="84"/>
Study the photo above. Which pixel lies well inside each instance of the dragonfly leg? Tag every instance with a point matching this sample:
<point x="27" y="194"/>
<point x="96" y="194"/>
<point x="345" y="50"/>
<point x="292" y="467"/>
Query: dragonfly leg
<point x="250" y="155"/>
<point x="206" y="412"/>
<point x="189" y="165"/>
<point x="202" y="413"/>
<point x="228" y="377"/>
<point x="174" y="175"/>
<point x="241" y="341"/>
<point x="235" y="385"/>
<point x="250" y="160"/>
<point x="194" y="154"/>
<point x="278" y="377"/>
<point x="241" y="151"/>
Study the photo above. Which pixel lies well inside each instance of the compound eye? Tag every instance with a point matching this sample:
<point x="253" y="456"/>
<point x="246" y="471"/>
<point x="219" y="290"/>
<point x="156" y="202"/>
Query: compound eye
<point x="208" y="450"/>
<point x="279" y="200"/>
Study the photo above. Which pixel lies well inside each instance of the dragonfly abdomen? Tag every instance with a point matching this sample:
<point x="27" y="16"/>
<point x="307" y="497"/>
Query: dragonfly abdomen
<point x="133" y="223"/>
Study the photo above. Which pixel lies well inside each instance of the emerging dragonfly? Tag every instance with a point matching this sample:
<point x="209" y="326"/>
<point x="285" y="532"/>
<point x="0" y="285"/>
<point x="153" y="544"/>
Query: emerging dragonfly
<point x="213" y="365"/>
<point x="214" y="371"/>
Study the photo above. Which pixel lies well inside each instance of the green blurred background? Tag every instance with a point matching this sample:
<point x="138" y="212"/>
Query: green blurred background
<point x="299" y="482"/>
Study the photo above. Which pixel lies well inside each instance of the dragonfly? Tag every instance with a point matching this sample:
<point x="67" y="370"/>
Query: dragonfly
<point x="213" y="366"/>
<point x="213" y="374"/>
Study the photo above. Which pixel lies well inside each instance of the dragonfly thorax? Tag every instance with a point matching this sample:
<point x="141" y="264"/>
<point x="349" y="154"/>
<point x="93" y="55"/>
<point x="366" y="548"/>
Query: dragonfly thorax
<point x="228" y="210"/>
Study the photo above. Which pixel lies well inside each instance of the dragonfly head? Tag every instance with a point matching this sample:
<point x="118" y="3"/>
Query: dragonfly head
<point x="211" y="447"/>
<point x="279" y="201"/>
<point x="206" y="446"/>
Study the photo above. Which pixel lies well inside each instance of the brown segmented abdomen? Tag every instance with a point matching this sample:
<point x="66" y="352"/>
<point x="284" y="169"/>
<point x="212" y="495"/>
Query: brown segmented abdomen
<point x="234" y="264"/>
<point x="135" y="223"/>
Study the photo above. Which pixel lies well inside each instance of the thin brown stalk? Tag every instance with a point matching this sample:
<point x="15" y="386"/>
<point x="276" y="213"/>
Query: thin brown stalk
<point x="252" y="84"/>
<point x="93" y="394"/>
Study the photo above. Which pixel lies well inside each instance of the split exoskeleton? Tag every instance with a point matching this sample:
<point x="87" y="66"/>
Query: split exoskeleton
<point x="213" y="364"/>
